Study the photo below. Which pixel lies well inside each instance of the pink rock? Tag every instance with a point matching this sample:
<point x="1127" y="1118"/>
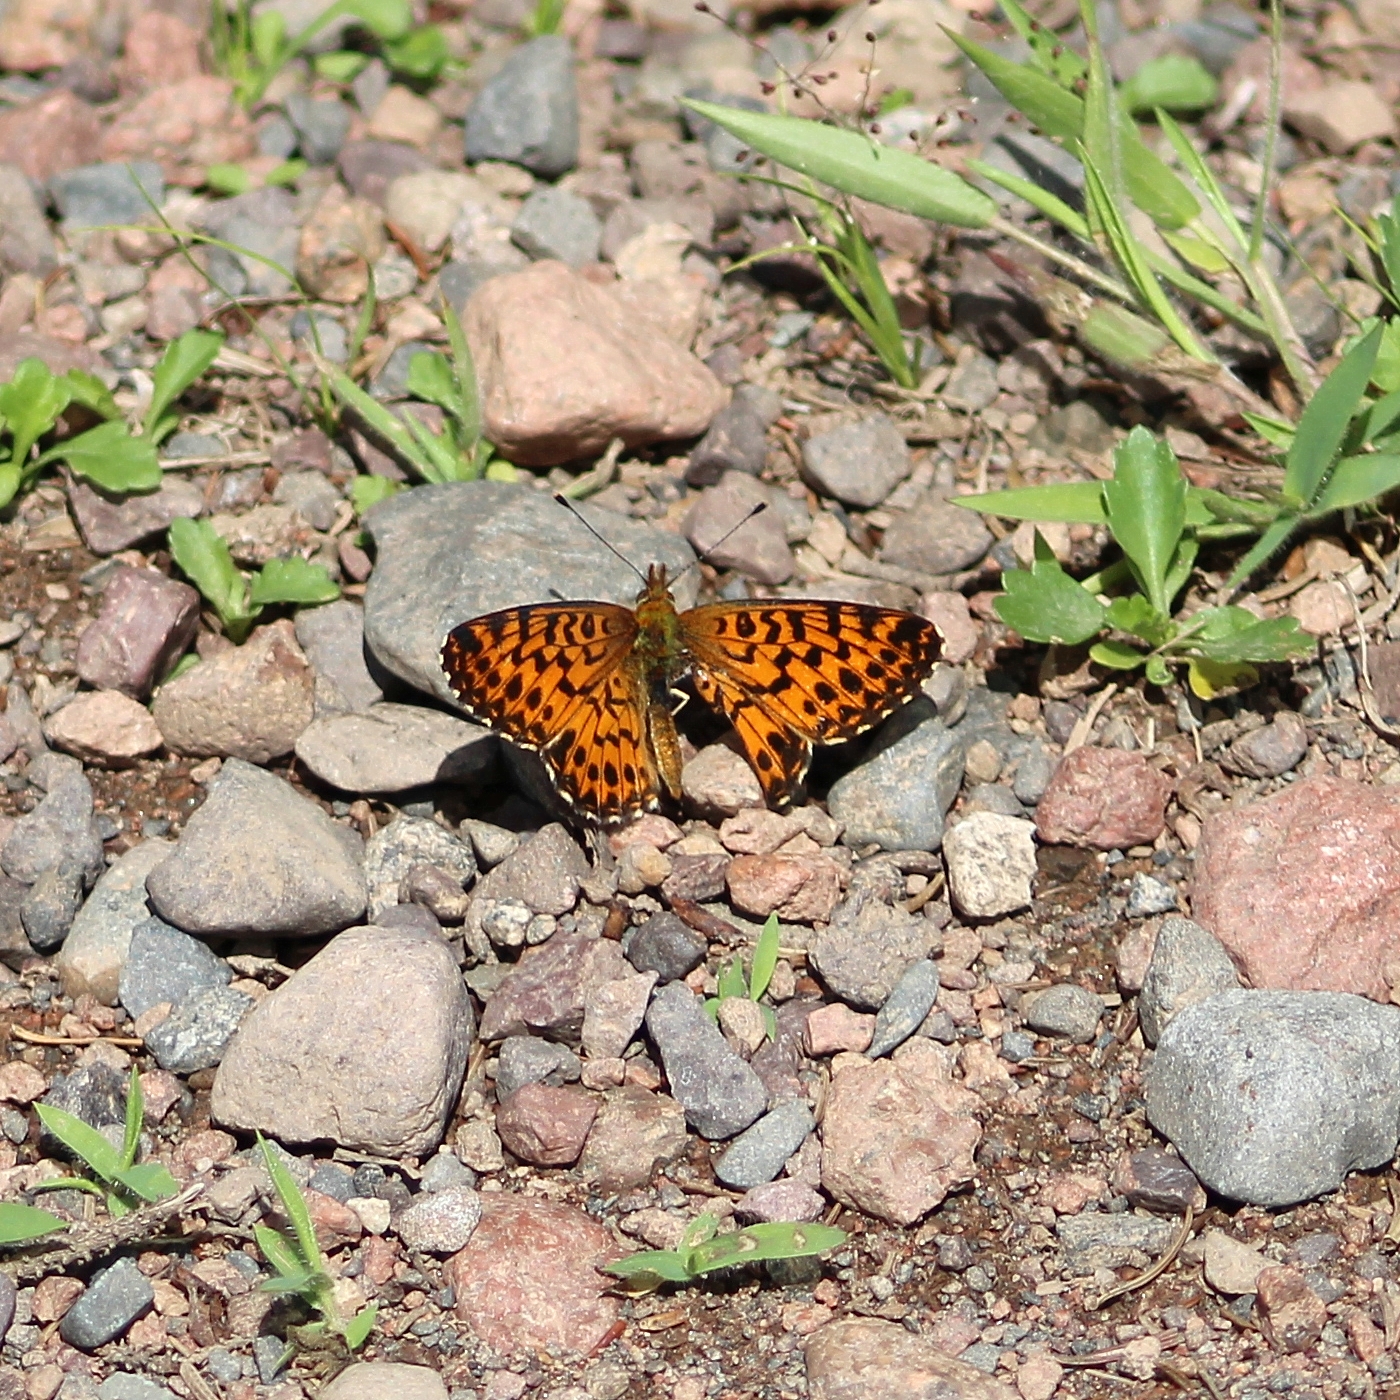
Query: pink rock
<point x="803" y="888"/>
<point x="780" y="1200"/>
<point x="110" y="523"/>
<point x="1106" y="799"/>
<point x="185" y="126"/>
<point x="565" y="368"/>
<point x="717" y="783"/>
<point x="951" y="615"/>
<point x="341" y="238"/>
<point x="546" y="1125"/>
<point x="650" y="829"/>
<point x="104" y="727"/>
<point x="1293" y="1314"/>
<point x="159" y="49"/>
<point x="1322" y="608"/>
<point x="173" y="293"/>
<point x="146" y="622"/>
<point x="49" y="135"/>
<point x="613" y="1012"/>
<point x="862" y="1358"/>
<point x="21" y="1082"/>
<point x="529" y="1277"/>
<point x="250" y="702"/>
<point x="547" y="990"/>
<point x="1303" y="888"/>
<point x="896" y="1137"/>
<point x="635" y="1132"/>
<point x="1342" y="115"/>
<point x="836" y="1027"/>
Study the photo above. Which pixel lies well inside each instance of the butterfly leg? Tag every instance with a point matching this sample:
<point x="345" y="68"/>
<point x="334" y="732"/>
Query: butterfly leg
<point x="665" y="747"/>
<point x="681" y="699"/>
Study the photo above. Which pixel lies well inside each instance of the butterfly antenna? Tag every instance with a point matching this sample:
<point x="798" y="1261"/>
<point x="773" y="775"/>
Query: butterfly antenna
<point x="568" y="505"/>
<point x="757" y="509"/>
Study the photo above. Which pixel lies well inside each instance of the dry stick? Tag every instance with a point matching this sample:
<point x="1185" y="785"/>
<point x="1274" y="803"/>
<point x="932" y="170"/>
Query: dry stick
<point x="1084" y="725"/>
<point x="39" y="1038"/>
<point x="1143" y="1279"/>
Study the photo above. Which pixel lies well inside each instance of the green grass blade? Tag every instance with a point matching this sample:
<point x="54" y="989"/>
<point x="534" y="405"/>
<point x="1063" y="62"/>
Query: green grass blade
<point x="294" y="1204"/>
<point x="1357" y="480"/>
<point x="1269" y="543"/>
<point x="765" y="958"/>
<point x="1069" y="503"/>
<point x="1041" y="200"/>
<point x="185" y="359"/>
<point x="380" y="420"/>
<point x="135" y="1112"/>
<point x="82" y="1139"/>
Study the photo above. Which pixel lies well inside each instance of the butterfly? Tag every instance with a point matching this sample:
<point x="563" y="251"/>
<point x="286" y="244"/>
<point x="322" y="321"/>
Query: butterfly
<point x="590" y="686"/>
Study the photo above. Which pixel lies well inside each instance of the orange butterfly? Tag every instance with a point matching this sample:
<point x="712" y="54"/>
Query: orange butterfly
<point x="588" y="686"/>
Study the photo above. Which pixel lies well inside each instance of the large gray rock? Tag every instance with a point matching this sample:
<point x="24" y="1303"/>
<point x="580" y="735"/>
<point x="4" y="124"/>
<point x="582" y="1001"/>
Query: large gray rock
<point x="364" y="1046"/>
<point x="452" y="552"/>
<point x="1273" y="1097"/>
<point x="258" y="857"/>
<point x="528" y="112"/>
<point x="1188" y="965"/>
<point x="59" y="829"/>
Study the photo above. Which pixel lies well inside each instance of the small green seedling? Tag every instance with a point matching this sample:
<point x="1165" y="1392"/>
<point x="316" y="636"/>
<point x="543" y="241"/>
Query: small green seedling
<point x="544" y="18"/>
<point x="702" y="1250"/>
<point x="458" y="452"/>
<point x="204" y="556"/>
<point x="731" y="980"/>
<point x="121" y="1181"/>
<point x="300" y="1268"/>
<point x="1156" y="521"/>
<point x="20" y="1224"/>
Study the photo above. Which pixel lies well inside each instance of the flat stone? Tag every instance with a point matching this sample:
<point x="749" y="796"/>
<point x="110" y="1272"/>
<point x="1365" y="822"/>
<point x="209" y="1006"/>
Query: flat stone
<point x="905" y="1008"/>
<point x="936" y="537"/>
<point x="867" y="948"/>
<point x="258" y="858"/>
<point x="527" y="112"/>
<point x="758" y="546"/>
<point x="391" y="748"/>
<point x="111" y="192"/>
<point x="526" y="1059"/>
<point x="758" y="1153"/>
<point x="737" y="438"/>
<point x="104" y="728"/>
<point x="866" y="1358"/>
<point x="426" y="203"/>
<point x="635" y="1132"/>
<point x="991" y="864"/>
<point x="332" y="637"/>
<point x="146" y="622"/>
<point x="613" y="1013"/>
<point x="264" y="222"/>
<point x="372" y="1380"/>
<point x="109" y="524"/>
<point x="555" y="223"/>
<point x="546" y="991"/>
<point x="115" y="1298"/>
<point x="666" y="946"/>
<point x="858" y="463"/>
<point x="1105" y="799"/>
<point x="388" y="1088"/>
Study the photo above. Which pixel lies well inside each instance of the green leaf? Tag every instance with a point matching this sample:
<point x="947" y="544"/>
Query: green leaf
<point x="10" y="480"/>
<point x="20" y="1223"/>
<point x="280" y="1253"/>
<point x="854" y="163"/>
<point x="292" y="580"/>
<point x="1040" y="199"/>
<point x="1174" y="81"/>
<point x="1158" y="671"/>
<point x="81" y="1139"/>
<point x="1132" y="613"/>
<point x="776" y="1240"/>
<point x="421" y="54"/>
<point x="765" y="958"/>
<point x="268" y="32"/>
<point x="385" y="19"/>
<point x="294" y="1204"/>
<point x="359" y="1327"/>
<point x="380" y="421"/>
<point x="1209" y="679"/>
<point x="1234" y="634"/>
<point x="1326" y="419"/>
<point x="430" y="377"/>
<point x="731" y="981"/>
<point x="184" y="360"/>
<point x="1044" y="604"/>
<point x="1236" y="509"/>
<point x="149" y="1180"/>
<point x="664" y="1264"/>
<point x="1117" y="656"/>
<point x="342" y="66"/>
<point x="1070" y="503"/>
<point x="1146" y="503"/>
<point x="288" y="173"/>
<point x="367" y="491"/>
<point x="464" y="371"/>
<point x="135" y="1111"/>
<point x="89" y="391"/>
<point x="30" y="404"/>
<point x="1386" y="374"/>
<point x="1357" y="480"/>
<point x="109" y="456"/>
<point x="204" y="558"/>
<point x="1196" y="251"/>
<point x="1122" y="337"/>
<point x="1382" y="418"/>
<point x="226" y="177"/>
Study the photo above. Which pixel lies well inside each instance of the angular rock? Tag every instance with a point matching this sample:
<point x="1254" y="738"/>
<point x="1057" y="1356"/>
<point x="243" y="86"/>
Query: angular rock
<point x="115" y="1298"/>
<point x="543" y="873"/>
<point x="529" y="1277"/>
<point x="905" y="1008"/>
<point x="546" y="992"/>
<point x="164" y="964"/>
<point x="1105" y="799"/>
<point x="109" y="524"/>
<point x="858" y="463"/>
<point x="333" y="640"/>
<point x="51" y="905"/>
<point x="635" y="1132"/>
<point x="556" y="223"/>
<point x="340" y="241"/>
<point x="718" y="527"/>
<point x="394" y="850"/>
<point x="526" y="1059"/>
<point x="258" y="858"/>
<point x="613" y="1013"/>
<point x="528" y="111"/>
<point x="104" y="728"/>
<point x="440" y="1222"/>
<point x="387" y="1087"/>
<point x="866" y="1358"/>
<point x="55" y="132"/>
<point x="737" y="438"/>
<point x="59" y="829"/>
<point x="1188" y="965"/>
<point x="666" y="946"/>
<point x="185" y="127"/>
<point x="1275" y="748"/>
<point x="544" y="1125"/>
<point x="867" y="948"/>
<point x="991" y="864"/>
<point x="936" y="537"/>
<point x="196" y="1033"/>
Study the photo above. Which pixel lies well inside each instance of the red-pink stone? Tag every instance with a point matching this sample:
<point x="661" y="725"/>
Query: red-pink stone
<point x="1105" y="799"/>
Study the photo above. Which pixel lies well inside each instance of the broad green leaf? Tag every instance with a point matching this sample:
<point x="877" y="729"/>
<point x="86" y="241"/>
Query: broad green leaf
<point x="1132" y="613"/>
<point x="1275" y="431"/>
<point x="765" y="958"/>
<point x="204" y="558"/>
<point x="1201" y="255"/>
<point x="731" y="981"/>
<point x="81" y="1139"/>
<point x="268" y="33"/>
<point x="185" y="359"/>
<point x="149" y="1180"/>
<point x="1069" y="503"/>
<point x="293" y="580"/>
<point x="20" y="1223"/>
<point x="367" y="491"/>
<point x="663" y="1264"/>
<point x="1210" y="679"/>
<point x="341" y="66"/>
<point x="1326" y="418"/>
<point x="1183" y="561"/>
<point x="1044" y="604"/>
<point x="227" y="177"/>
<point x="1049" y="52"/>
<point x="30" y="404"/>
<point x="10" y="479"/>
<point x="1356" y="480"/>
<point x="1036" y="95"/>
<point x="288" y="173"/>
<point x="1237" y="509"/>
<point x="1117" y="656"/>
<point x="359" y="1327"/>
<point x="464" y="371"/>
<point x="775" y="1240"/>
<point x="430" y="377"/>
<point x="110" y="457"/>
<point x="1174" y="81"/>
<point x="1146" y="503"/>
<point x="421" y="54"/>
<point x="699" y="1230"/>
<point x="1235" y="634"/>
<point x="1386" y="374"/>
<point x="294" y="1204"/>
<point x="856" y="164"/>
<point x="1382" y="418"/>
<point x="88" y="390"/>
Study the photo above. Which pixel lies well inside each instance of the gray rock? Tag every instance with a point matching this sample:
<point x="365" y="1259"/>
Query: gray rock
<point x="720" y="1093"/>
<point x="125" y="1386"/>
<point x="445" y="1171"/>
<point x="722" y="528"/>
<point x="936" y="537"/>
<point x="1016" y="1046"/>
<point x="451" y="552"/>
<point x="972" y="385"/>
<point x="59" y="830"/>
<point x="1274" y="748"/>
<point x="858" y="463"/>
<point x="114" y="1299"/>
<point x="992" y="797"/>
<point x="1033" y="773"/>
<point x="8" y="1296"/>
<point x="1188" y="965"/>
<point x="164" y="964"/>
<point x="556" y="223"/>
<point x="440" y="1222"/>
<point x="113" y="192"/>
<point x="898" y="797"/>
<point x="1147" y="897"/>
<point x="258" y="857"/>
<point x="543" y="873"/>
<point x="394" y="850"/>
<point x="277" y="137"/>
<point x="1097" y="1240"/>
<point x="905" y="1008"/>
<point x="1068" y="1010"/>
<point x="52" y="904"/>
<point x="757" y="1155"/>
<point x="26" y="241"/>
<point x="991" y="864"/>
<point x="262" y="221"/>
<point x="324" y="335"/>
<point x="95" y="951"/>
<point x="372" y="1380"/>
<point x="333" y="638"/>
<point x="528" y="112"/>
<point x="321" y="126"/>
<point x="196" y="1033"/>
<point x="96" y="1093"/>
<point x="1273" y="1097"/>
<point x="666" y="946"/>
<point x="526" y="1059"/>
<point x="392" y="748"/>
<point x="737" y="438"/>
<point x="867" y="947"/>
